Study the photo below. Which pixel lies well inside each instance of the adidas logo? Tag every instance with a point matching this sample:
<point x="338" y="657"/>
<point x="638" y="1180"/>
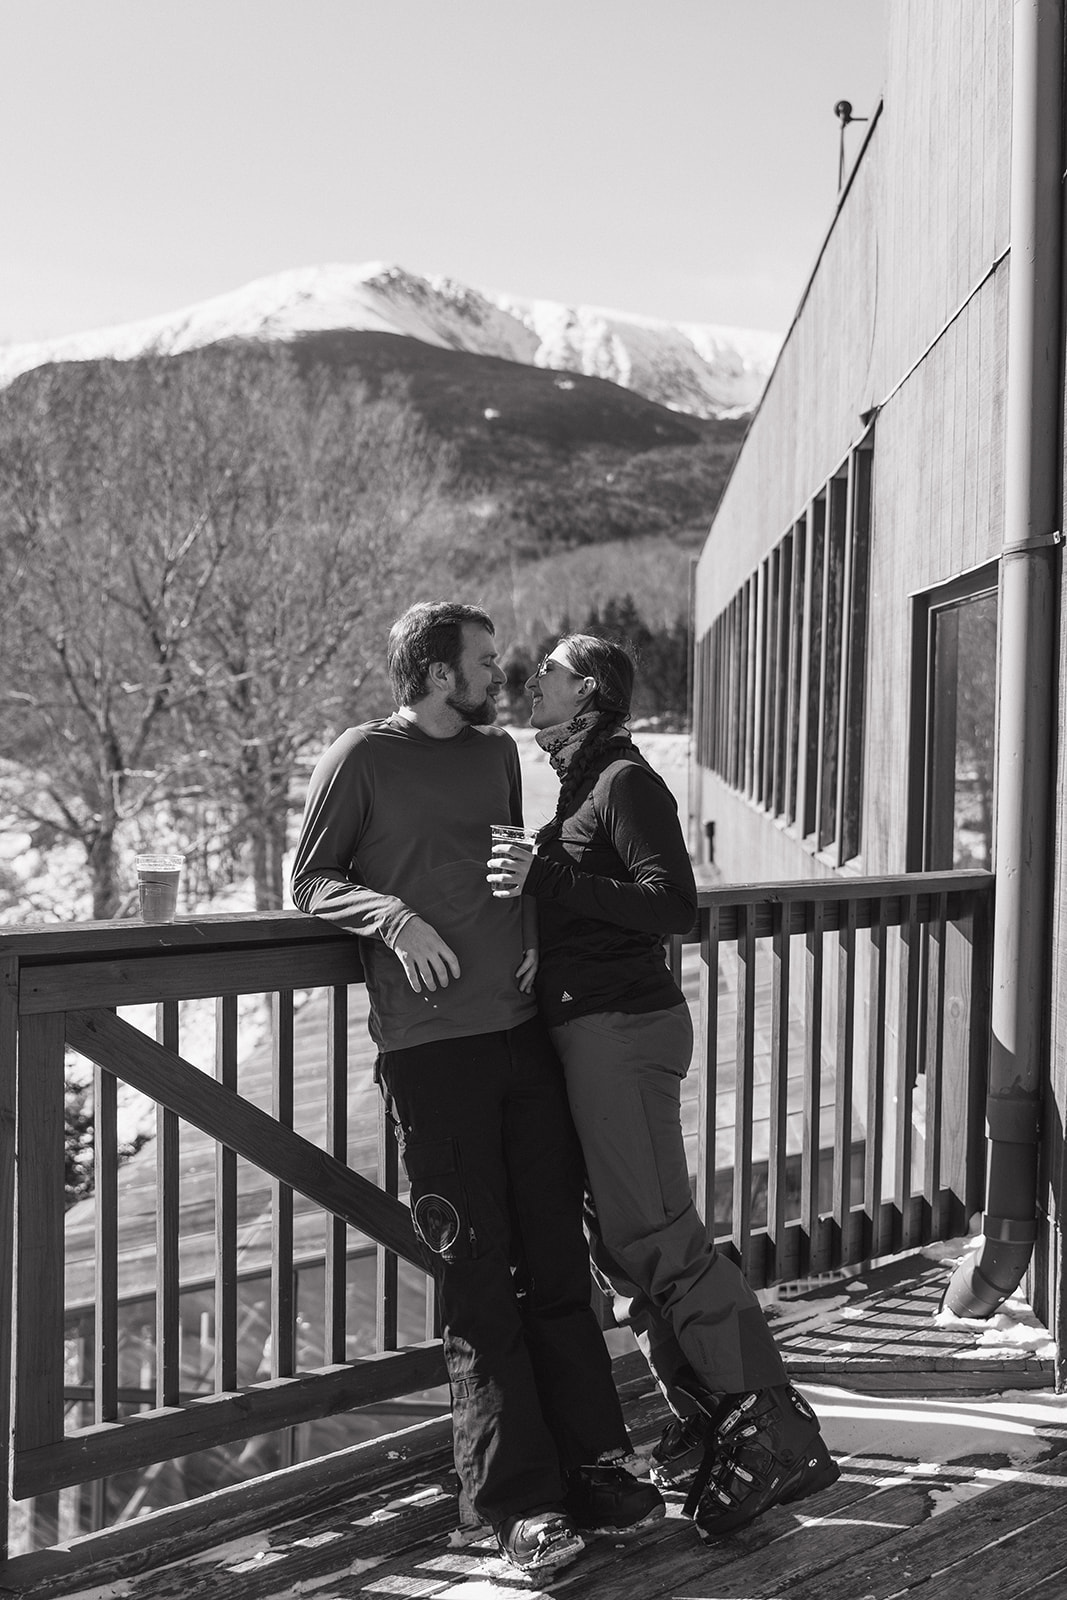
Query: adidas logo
<point x="566" y="996"/>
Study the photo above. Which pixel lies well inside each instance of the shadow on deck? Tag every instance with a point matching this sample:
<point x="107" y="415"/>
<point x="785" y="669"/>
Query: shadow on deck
<point x="953" y="1451"/>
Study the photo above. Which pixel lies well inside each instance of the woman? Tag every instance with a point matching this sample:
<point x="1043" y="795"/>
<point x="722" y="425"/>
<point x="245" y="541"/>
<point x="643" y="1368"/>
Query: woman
<point x="612" y="877"/>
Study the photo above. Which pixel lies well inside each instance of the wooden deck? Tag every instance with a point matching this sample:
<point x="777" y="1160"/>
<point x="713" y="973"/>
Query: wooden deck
<point x="954" y="1483"/>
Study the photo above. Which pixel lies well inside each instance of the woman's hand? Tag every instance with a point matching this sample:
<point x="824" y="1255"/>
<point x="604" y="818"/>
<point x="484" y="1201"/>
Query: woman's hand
<point x="508" y="867"/>
<point x="527" y="971"/>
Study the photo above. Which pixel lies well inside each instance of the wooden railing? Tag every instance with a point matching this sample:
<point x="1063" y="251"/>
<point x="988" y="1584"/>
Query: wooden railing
<point x="61" y="991"/>
<point x="824" y="1009"/>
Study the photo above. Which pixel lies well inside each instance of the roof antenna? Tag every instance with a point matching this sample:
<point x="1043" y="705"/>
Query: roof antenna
<point x="843" y="113"/>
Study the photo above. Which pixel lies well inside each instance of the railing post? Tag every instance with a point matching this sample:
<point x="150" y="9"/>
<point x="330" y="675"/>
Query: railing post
<point x="843" y="1076"/>
<point x="106" y="1229"/>
<point x="815" y="1256"/>
<point x="934" y="1057"/>
<point x="39" y="1289"/>
<point x="9" y="1021"/>
<point x="707" y="1065"/>
<point x="168" y="1230"/>
<point x="225" y="1351"/>
<point x="282" y="1281"/>
<point x="335" y="1285"/>
<point x="874" y="1154"/>
<point x="906" y="1068"/>
<point x="744" y="1065"/>
<point x="777" y="1142"/>
<point x="388" y="1295"/>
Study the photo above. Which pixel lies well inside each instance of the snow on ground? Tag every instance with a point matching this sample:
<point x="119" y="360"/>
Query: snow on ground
<point x="973" y="1444"/>
<point x="1014" y="1329"/>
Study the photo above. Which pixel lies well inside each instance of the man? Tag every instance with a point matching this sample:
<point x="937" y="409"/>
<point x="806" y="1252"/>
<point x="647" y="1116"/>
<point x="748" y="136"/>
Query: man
<point x="393" y="848"/>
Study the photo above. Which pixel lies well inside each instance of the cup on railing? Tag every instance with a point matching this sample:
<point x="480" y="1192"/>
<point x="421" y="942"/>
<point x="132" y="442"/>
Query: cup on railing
<point x="157" y="886"/>
<point x="505" y="833"/>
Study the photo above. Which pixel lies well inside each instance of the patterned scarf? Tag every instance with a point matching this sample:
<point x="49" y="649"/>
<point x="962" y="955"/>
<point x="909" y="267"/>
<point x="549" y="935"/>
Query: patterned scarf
<point x="563" y="741"/>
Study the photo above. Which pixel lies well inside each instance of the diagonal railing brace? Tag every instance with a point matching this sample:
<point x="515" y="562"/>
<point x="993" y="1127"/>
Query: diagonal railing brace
<point x="173" y="1082"/>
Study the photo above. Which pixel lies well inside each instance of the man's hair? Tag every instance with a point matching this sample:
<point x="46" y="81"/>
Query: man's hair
<point x="428" y="632"/>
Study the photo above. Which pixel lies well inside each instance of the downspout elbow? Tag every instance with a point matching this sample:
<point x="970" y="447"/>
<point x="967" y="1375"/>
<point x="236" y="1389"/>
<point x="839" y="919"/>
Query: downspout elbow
<point x="981" y="1284"/>
<point x="985" y="1279"/>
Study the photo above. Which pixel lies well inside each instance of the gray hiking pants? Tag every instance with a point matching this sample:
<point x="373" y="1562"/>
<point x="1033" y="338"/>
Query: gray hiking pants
<point x="690" y="1308"/>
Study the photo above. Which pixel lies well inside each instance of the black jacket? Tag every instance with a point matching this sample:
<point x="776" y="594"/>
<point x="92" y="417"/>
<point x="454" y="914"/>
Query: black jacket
<point x="614" y="882"/>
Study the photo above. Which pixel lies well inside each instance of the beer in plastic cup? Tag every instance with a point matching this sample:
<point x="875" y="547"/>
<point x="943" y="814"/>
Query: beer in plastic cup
<point x="508" y="833"/>
<point x="157" y="886"/>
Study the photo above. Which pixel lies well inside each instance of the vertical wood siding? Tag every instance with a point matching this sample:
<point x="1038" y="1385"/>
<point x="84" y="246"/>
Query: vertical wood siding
<point x="906" y="314"/>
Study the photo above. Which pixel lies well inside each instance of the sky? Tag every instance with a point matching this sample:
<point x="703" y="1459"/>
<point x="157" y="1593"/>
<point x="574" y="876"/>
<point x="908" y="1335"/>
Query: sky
<point x="668" y="158"/>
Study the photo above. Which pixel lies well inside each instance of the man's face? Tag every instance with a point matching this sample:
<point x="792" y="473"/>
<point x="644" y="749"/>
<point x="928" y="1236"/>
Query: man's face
<point x="478" y="678"/>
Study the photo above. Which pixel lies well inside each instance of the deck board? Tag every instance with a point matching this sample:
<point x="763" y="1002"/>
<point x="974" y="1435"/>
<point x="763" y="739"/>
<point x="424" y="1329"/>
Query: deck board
<point x="950" y="1508"/>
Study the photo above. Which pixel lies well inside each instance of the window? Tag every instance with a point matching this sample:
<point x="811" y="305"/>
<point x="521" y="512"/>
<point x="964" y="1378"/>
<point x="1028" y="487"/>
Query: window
<point x="952" y="780"/>
<point x="781" y="672"/>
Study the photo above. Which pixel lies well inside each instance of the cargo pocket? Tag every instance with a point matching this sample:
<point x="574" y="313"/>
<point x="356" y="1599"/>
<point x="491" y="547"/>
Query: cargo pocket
<point x="439" y="1206"/>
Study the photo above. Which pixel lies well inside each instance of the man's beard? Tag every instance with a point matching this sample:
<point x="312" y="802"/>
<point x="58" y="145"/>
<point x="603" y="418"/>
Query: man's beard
<point x="478" y="713"/>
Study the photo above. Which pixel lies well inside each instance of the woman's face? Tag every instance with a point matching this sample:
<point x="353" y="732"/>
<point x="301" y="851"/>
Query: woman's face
<point x="558" y="693"/>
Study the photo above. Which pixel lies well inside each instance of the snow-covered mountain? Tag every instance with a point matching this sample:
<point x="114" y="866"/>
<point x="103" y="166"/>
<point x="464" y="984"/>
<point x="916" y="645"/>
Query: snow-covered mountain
<point x="698" y="368"/>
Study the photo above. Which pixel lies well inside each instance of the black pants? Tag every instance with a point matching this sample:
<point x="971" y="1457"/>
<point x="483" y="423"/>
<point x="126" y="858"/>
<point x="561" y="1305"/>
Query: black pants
<point x="496" y="1194"/>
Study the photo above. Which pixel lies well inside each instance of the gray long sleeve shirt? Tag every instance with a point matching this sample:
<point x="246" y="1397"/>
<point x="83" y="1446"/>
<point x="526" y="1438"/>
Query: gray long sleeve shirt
<point x="398" y="823"/>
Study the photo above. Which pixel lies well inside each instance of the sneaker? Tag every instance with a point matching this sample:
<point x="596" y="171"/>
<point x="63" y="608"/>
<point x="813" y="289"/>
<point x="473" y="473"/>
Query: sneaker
<point x="607" y="1499"/>
<point x="679" y="1453"/>
<point x="768" y="1451"/>
<point x="539" y="1542"/>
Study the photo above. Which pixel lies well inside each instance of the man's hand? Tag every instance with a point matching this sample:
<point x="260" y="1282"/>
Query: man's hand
<point x="427" y="961"/>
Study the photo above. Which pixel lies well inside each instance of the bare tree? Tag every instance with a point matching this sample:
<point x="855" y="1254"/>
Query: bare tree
<point x="318" y="554"/>
<point x="104" y="581"/>
<point x="196" y="556"/>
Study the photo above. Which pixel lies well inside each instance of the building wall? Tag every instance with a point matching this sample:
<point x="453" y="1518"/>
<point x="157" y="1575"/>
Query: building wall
<point x="904" y="319"/>
<point x="938" y="513"/>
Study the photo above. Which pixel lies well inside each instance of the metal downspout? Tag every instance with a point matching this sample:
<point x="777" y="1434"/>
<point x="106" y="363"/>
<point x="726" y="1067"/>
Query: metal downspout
<point x="1028" y="570"/>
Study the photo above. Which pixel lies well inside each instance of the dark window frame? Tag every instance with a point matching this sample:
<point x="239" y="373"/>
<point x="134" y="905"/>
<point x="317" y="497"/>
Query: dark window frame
<point x="921" y="846"/>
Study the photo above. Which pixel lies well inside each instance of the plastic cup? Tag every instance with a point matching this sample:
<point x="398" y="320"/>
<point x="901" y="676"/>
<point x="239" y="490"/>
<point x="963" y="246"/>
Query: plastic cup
<point x="507" y="833"/>
<point x="157" y="886"/>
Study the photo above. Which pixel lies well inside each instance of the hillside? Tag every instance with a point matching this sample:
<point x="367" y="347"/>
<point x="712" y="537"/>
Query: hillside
<point x="567" y="460"/>
<point x="541" y="462"/>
